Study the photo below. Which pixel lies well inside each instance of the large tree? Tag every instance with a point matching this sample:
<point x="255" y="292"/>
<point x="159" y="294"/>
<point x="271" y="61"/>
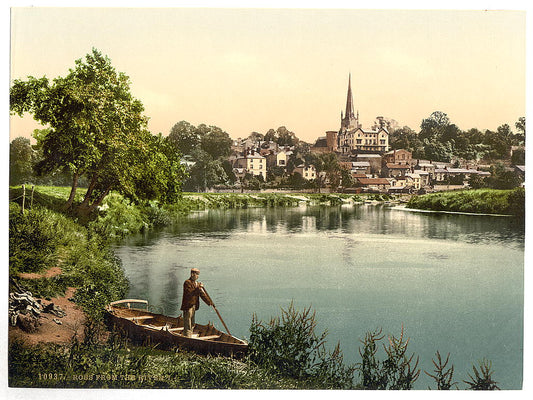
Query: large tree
<point x="434" y="126"/>
<point x="184" y="137"/>
<point x="206" y="172"/>
<point x="215" y="142"/>
<point x="97" y="128"/>
<point x="187" y="139"/>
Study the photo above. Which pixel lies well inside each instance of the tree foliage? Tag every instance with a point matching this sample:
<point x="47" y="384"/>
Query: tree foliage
<point x="205" y="173"/>
<point x="184" y="137"/>
<point x="97" y="128"/>
<point x="441" y="140"/>
<point x="187" y="138"/>
<point x="21" y="157"/>
<point x="282" y="136"/>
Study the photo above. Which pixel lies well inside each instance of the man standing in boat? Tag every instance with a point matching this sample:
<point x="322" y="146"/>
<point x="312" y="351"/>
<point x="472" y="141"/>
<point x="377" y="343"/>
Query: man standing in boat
<point x="192" y="291"/>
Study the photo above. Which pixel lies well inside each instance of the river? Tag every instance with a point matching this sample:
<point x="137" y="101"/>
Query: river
<point x="454" y="281"/>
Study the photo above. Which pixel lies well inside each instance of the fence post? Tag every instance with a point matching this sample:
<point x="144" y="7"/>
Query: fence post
<point x="23" y="197"/>
<point x="31" y="201"/>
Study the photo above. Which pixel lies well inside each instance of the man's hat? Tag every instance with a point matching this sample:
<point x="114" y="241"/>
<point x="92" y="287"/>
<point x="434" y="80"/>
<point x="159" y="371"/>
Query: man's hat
<point x="195" y="270"/>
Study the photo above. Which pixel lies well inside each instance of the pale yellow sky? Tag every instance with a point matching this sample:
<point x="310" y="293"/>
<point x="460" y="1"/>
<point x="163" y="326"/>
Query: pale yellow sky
<point x="250" y="70"/>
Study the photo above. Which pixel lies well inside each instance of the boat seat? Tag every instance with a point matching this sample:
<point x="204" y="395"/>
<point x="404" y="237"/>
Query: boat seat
<point x="209" y="337"/>
<point x="139" y="318"/>
<point x="175" y="329"/>
<point x="155" y="327"/>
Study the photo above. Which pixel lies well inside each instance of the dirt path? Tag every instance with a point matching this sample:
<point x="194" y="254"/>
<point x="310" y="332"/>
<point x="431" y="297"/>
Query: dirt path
<point x="51" y="332"/>
<point x="54" y="271"/>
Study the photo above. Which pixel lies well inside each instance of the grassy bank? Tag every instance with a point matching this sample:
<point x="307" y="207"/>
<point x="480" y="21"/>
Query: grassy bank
<point x="42" y="238"/>
<point x="485" y="201"/>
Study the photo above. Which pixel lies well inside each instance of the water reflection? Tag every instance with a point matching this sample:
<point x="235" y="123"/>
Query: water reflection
<point x="361" y="219"/>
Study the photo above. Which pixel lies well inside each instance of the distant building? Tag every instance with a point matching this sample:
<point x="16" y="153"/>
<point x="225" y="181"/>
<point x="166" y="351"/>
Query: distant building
<point x="308" y="172"/>
<point x="391" y="170"/>
<point x="399" y="156"/>
<point x="374" y="184"/>
<point x="444" y="174"/>
<point x="325" y="144"/>
<point x="352" y="137"/>
<point x="374" y="160"/>
<point x="252" y="163"/>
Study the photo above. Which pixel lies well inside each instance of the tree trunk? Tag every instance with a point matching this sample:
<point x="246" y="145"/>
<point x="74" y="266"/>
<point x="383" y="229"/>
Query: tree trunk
<point x="101" y="198"/>
<point x="85" y="209"/>
<point x="70" y="200"/>
<point x="90" y="189"/>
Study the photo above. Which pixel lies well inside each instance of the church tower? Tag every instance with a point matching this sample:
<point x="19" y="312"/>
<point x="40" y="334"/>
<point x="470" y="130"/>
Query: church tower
<point x="350" y="121"/>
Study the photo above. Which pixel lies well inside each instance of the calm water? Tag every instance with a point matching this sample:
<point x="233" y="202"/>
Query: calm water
<point x="454" y="281"/>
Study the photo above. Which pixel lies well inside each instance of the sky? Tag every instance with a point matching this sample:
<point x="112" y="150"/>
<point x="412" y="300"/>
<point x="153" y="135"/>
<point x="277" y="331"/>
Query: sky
<point x="253" y="69"/>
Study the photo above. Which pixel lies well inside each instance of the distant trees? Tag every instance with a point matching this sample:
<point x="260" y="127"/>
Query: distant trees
<point x="520" y="126"/>
<point x="208" y="148"/>
<point x="441" y="140"/>
<point x="21" y="156"/>
<point x="406" y="138"/>
<point x="502" y="178"/>
<point x="282" y="136"/>
<point x="184" y="137"/>
<point x="329" y="164"/>
<point x="97" y="130"/>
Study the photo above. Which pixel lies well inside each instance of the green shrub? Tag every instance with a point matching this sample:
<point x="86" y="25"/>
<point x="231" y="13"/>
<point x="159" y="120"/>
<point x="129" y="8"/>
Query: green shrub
<point x="118" y="217"/>
<point x="156" y="215"/>
<point x="290" y="347"/>
<point x="442" y="376"/>
<point x="517" y="202"/>
<point x="482" y="379"/>
<point x="396" y="372"/>
<point x="32" y="239"/>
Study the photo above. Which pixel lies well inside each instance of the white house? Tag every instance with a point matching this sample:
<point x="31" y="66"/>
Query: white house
<point x="254" y="164"/>
<point x="307" y="172"/>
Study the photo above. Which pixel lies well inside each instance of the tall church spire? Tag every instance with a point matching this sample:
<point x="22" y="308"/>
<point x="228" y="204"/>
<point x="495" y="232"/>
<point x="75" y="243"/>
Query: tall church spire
<point x="350" y="121"/>
<point x="349" y="100"/>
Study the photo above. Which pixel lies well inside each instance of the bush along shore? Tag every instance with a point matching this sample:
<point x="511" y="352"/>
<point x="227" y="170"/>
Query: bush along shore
<point x="483" y="201"/>
<point x="284" y="353"/>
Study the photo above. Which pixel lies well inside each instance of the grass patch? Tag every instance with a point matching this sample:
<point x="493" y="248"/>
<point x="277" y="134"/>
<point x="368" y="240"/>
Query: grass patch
<point x="483" y="201"/>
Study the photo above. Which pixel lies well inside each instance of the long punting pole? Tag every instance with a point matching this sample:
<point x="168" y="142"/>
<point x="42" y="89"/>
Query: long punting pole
<point x="219" y="316"/>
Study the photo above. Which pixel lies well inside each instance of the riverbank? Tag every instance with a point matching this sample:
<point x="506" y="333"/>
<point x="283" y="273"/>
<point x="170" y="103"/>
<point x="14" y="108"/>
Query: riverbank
<point x="479" y="201"/>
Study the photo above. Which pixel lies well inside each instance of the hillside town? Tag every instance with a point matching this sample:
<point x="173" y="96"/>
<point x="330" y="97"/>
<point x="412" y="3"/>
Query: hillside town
<point x="365" y="160"/>
<point x="383" y="158"/>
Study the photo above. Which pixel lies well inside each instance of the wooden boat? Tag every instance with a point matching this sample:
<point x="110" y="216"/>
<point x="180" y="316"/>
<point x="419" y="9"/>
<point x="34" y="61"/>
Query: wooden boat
<point x="132" y="318"/>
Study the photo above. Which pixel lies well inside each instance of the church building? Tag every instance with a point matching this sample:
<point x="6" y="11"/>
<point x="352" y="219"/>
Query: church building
<point x="352" y="138"/>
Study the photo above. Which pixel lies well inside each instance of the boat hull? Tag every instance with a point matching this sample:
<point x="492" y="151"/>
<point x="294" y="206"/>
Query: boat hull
<point x="151" y="329"/>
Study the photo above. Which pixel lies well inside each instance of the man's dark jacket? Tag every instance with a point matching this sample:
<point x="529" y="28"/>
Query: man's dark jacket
<point x="191" y="295"/>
